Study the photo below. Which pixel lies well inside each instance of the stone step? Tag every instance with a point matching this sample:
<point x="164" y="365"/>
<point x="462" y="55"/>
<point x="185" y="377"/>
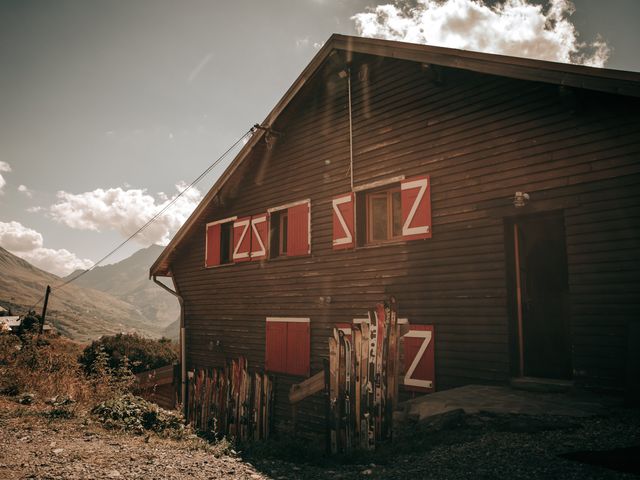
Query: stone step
<point x="542" y="385"/>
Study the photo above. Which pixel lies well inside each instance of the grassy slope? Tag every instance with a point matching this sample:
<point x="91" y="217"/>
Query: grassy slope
<point x="79" y="313"/>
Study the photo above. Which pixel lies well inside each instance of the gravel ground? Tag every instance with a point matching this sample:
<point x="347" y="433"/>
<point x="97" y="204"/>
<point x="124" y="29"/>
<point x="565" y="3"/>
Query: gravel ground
<point x="487" y="446"/>
<point x="35" y="447"/>
<point x="479" y="446"/>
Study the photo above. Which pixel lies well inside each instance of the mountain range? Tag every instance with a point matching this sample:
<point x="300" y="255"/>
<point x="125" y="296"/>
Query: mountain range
<point x="106" y="300"/>
<point x="129" y="281"/>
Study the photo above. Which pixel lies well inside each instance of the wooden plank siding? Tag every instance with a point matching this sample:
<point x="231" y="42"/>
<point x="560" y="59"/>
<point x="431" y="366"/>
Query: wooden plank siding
<point x="480" y="138"/>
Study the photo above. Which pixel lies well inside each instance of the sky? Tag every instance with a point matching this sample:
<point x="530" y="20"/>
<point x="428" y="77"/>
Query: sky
<point x="109" y="108"/>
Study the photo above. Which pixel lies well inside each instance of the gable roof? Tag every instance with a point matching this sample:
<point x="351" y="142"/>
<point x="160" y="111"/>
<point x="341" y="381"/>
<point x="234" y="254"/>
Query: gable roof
<point x="578" y="76"/>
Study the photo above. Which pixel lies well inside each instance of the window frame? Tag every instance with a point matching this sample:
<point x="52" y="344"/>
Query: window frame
<point x="387" y="191"/>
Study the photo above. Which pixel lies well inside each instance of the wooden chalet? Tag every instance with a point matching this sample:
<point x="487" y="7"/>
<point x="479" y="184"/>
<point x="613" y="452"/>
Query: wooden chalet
<point x="496" y="198"/>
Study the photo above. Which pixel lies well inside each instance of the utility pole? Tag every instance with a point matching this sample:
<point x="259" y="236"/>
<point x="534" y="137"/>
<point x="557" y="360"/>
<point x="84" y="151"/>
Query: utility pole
<point x="44" y="308"/>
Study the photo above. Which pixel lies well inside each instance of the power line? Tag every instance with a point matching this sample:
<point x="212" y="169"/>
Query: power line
<point x="154" y="218"/>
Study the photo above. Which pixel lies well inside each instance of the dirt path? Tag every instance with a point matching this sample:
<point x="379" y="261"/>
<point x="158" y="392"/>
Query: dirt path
<point x="34" y="447"/>
<point x="479" y="446"/>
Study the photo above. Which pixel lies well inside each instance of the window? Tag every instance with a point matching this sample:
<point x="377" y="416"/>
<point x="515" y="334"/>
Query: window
<point x="278" y="234"/>
<point x="383" y="216"/>
<point x="234" y="240"/>
<point x="284" y="232"/>
<point x="290" y="231"/>
<point x="219" y="242"/>
<point x="401" y="210"/>
<point x="226" y="230"/>
<point x="287" y="345"/>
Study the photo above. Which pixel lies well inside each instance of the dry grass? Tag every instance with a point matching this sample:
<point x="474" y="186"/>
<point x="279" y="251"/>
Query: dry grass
<point x="48" y="367"/>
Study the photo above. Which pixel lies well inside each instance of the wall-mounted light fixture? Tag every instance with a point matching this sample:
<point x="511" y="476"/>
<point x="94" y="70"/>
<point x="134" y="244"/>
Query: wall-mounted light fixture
<point x="520" y="199"/>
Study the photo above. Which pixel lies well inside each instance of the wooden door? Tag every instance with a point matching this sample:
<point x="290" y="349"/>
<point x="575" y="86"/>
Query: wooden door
<point x="541" y="268"/>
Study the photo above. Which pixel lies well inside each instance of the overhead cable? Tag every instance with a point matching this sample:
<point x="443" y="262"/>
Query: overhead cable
<point x="152" y="219"/>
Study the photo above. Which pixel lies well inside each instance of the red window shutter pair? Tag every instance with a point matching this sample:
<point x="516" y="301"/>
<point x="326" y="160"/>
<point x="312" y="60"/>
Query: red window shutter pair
<point x="298" y="230"/>
<point x="419" y="359"/>
<point x="288" y="346"/>
<point x="416" y="213"/>
<point x="249" y="240"/>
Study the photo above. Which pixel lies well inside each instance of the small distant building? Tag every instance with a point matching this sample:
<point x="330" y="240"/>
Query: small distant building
<point x="13" y="323"/>
<point x="10" y="324"/>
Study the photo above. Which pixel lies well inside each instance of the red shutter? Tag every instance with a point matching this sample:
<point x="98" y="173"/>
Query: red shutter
<point x="298" y="230"/>
<point x="416" y="208"/>
<point x="241" y="239"/>
<point x="275" y="358"/>
<point x="343" y="231"/>
<point x="259" y="237"/>
<point x="212" y="249"/>
<point x="298" y="348"/>
<point x="419" y="358"/>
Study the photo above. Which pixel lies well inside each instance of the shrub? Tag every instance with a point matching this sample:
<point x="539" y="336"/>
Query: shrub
<point x="143" y="353"/>
<point x="134" y="414"/>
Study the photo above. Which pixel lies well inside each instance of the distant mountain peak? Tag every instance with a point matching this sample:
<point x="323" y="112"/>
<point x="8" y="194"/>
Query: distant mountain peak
<point x="128" y="280"/>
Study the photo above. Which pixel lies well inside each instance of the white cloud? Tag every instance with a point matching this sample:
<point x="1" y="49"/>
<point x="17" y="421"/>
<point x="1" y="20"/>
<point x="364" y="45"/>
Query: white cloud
<point x="25" y="190"/>
<point x="4" y="167"/>
<point x="302" y="42"/>
<point x="515" y="27"/>
<point x="34" y="209"/>
<point x="15" y="237"/>
<point x="28" y="244"/>
<point x="305" y="42"/>
<point x="125" y="211"/>
<point x="59" y="262"/>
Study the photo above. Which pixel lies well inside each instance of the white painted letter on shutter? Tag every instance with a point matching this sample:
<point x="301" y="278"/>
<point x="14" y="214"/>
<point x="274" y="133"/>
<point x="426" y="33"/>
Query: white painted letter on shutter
<point x="259" y="235"/>
<point x="241" y="239"/>
<point x="419" y="358"/>
<point x="416" y="208"/>
<point x="343" y="222"/>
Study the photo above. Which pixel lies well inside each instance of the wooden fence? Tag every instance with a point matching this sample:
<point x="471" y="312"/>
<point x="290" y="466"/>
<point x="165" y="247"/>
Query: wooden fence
<point x="160" y="385"/>
<point x="231" y="401"/>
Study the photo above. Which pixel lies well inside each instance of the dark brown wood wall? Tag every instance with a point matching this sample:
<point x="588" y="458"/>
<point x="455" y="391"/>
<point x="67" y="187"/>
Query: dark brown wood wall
<point x="481" y="138"/>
